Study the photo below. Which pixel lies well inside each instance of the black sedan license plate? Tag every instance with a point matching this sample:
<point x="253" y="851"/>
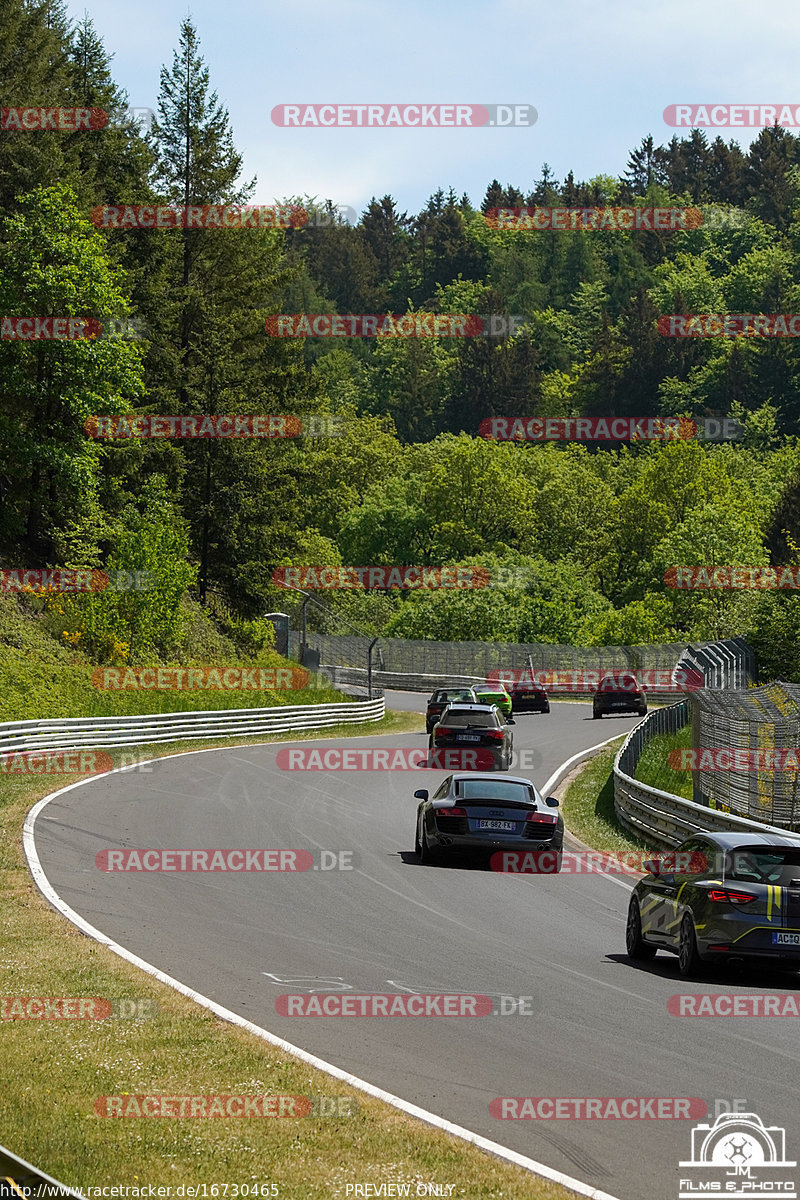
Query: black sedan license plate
<point x="506" y="826"/>
<point x="786" y="939"/>
<point x="468" y="737"/>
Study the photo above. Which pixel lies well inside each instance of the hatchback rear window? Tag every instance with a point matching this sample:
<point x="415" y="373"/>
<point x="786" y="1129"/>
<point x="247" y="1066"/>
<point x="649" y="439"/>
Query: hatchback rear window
<point x="494" y="789"/>
<point x="763" y="864"/>
<point x="489" y="719"/>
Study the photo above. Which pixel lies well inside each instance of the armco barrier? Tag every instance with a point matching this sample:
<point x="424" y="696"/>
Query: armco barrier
<point x="655" y="816"/>
<point x="72" y="732"/>
<point x="26" y="1180"/>
<point x="426" y="665"/>
<point x="429" y="683"/>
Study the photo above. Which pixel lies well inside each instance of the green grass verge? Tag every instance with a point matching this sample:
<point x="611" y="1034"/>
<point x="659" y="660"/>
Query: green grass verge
<point x="653" y="766"/>
<point x="41" y="678"/>
<point x="588" y="805"/>
<point x="53" y="1071"/>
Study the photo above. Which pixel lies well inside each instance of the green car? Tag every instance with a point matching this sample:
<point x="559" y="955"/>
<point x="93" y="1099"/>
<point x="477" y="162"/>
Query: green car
<point x="498" y="696"/>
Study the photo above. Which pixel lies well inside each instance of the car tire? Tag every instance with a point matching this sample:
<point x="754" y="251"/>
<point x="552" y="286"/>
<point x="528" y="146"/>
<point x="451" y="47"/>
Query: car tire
<point x="637" y="948"/>
<point x="417" y="843"/>
<point x="546" y="708"/>
<point x="689" y="960"/>
<point x="596" y="716"/>
<point x="559" y="856"/>
<point x="426" y="855"/>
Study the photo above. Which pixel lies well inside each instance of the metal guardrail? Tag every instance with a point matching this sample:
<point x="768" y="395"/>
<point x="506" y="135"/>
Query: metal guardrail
<point x="72" y="732"/>
<point x="23" y="1179"/>
<point x="407" y="658"/>
<point x="661" y="817"/>
<point x="404" y="682"/>
<point x="426" y="665"/>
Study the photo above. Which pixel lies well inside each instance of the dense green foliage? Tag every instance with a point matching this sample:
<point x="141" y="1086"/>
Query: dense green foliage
<point x="577" y="539"/>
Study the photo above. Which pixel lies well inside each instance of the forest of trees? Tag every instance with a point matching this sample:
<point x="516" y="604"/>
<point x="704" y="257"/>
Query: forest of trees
<point x="591" y="530"/>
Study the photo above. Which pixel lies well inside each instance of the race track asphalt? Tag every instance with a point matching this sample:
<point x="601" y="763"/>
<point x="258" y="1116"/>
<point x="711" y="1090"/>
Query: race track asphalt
<point x="600" y="1025"/>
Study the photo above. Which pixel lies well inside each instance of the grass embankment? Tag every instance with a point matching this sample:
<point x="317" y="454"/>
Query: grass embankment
<point x="588" y="802"/>
<point x="588" y="805"/>
<point x="43" y="678"/>
<point x="54" y="1070"/>
<point x="653" y="767"/>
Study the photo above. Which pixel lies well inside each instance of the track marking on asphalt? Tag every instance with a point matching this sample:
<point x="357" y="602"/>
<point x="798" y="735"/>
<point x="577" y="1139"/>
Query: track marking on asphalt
<point x="413" y="1110"/>
<point x="601" y="983"/>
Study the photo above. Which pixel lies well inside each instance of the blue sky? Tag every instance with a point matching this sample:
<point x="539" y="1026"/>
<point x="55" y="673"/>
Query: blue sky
<point x="598" y="74"/>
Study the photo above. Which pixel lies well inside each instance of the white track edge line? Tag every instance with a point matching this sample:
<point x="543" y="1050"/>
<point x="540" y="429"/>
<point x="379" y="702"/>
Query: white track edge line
<point x="413" y="1110"/>
<point x="560" y="774"/>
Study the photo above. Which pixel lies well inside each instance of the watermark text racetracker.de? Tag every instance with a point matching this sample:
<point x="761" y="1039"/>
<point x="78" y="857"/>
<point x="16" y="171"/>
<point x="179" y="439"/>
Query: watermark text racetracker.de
<point x="613" y="220"/>
<point x="199" y="216"/>
<point x="732" y="578"/>
<point x="598" y="1108"/>
<point x="191" y="679"/>
<point x="730" y="1004"/>
<point x="616" y="679"/>
<point x="607" y="429"/>
<point x="596" y="862"/>
<point x="734" y="758"/>
<point x="729" y="325"/>
<point x="401" y="758"/>
<point x="729" y="116"/>
<point x="58" y="120"/>
<point x="403" y="116"/>
<point x="149" y="861"/>
<point x="398" y="325"/>
<point x="224" y="1105"/>
<point x="63" y="579"/>
<point x="75" y="1008"/>
<point x="381" y="577"/>
<point x="401" y="1004"/>
<point x="201" y="425"/>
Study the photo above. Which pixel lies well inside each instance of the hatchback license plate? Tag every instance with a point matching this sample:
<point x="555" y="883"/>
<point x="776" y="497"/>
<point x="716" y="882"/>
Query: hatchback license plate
<point x="786" y="939"/>
<point x="468" y="737"/>
<point x="508" y="826"/>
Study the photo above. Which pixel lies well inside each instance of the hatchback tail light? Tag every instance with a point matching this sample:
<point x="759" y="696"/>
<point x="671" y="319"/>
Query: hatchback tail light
<point x="495" y="735"/>
<point x="727" y="896"/>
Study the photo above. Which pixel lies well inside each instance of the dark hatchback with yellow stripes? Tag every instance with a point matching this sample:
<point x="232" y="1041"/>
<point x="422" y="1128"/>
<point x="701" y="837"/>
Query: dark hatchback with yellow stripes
<point x="736" y="898"/>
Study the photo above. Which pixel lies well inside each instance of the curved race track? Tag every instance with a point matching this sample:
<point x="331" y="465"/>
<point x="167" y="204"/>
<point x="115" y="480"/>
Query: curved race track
<point x="600" y="1025"/>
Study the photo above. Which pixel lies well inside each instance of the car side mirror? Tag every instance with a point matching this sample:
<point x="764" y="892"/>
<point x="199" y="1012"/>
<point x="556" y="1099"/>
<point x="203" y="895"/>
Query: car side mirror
<point x="510" y="721"/>
<point x="422" y="794"/>
<point x="551" y="802"/>
<point x="652" y="866"/>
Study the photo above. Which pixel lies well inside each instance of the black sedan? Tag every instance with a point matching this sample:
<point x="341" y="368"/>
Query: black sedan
<point x="529" y="697"/>
<point x="483" y="812"/>
<point x="733" y="896"/>
<point x="440" y="699"/>
<point x="477" y="727"/>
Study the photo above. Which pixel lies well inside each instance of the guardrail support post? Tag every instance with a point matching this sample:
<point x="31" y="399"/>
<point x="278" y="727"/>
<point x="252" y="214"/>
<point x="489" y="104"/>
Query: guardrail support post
<point x="372" y="646"/>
